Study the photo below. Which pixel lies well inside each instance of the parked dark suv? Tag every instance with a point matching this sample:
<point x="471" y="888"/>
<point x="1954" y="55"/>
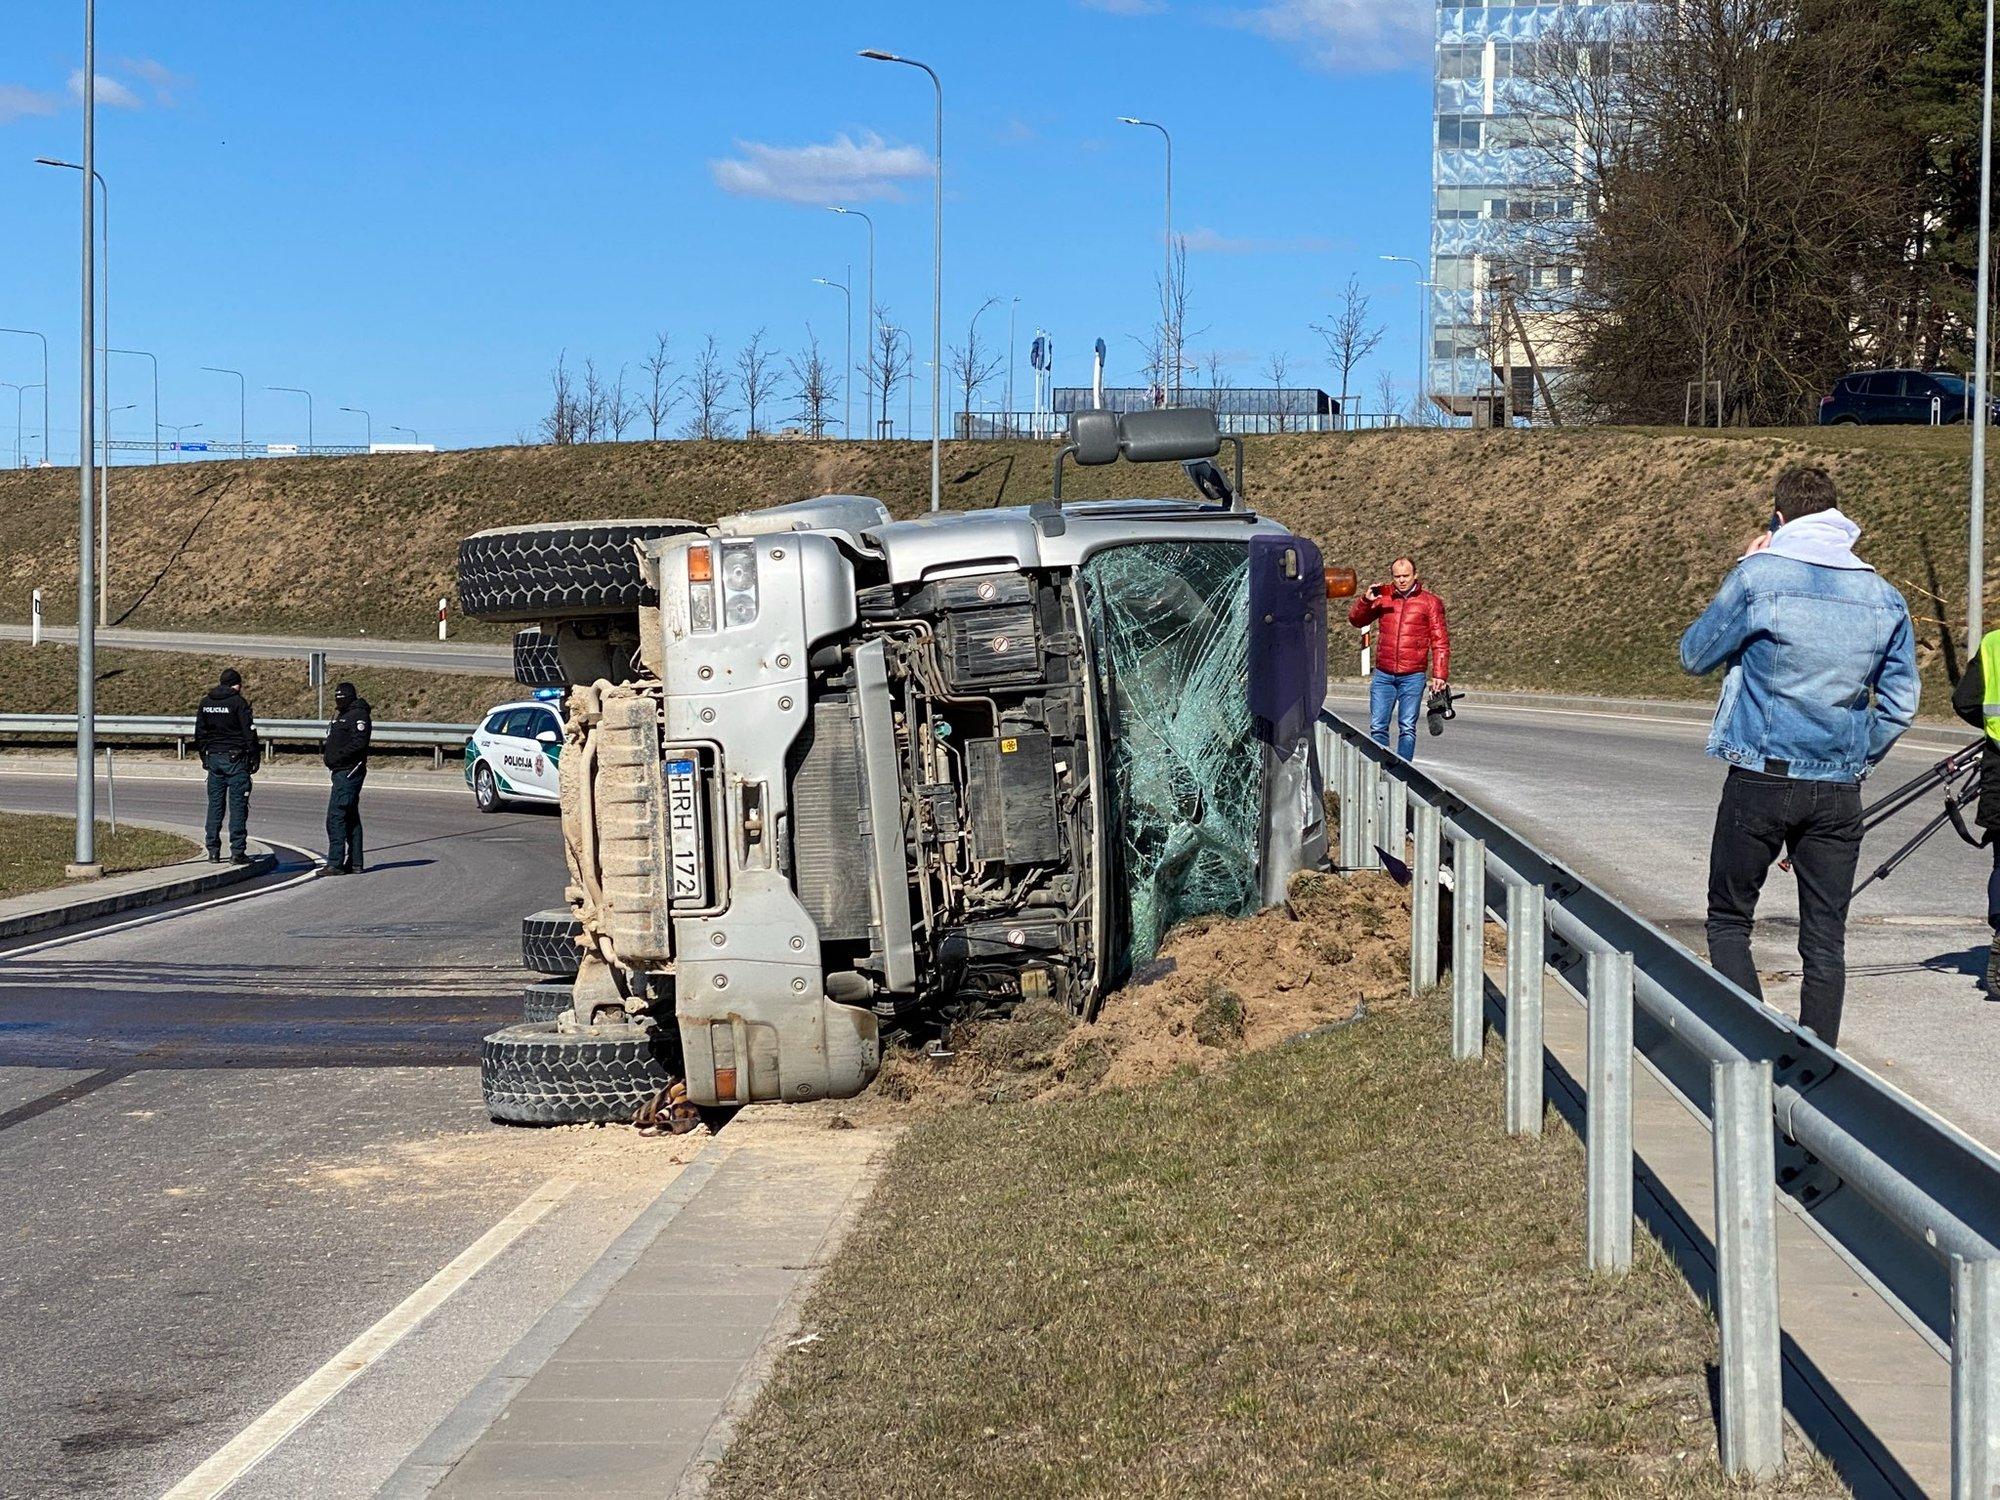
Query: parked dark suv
<point x="1909" y="396"/>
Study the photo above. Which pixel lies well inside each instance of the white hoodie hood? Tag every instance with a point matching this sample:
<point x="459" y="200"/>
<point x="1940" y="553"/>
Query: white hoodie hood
<point x="1825" y="539"/>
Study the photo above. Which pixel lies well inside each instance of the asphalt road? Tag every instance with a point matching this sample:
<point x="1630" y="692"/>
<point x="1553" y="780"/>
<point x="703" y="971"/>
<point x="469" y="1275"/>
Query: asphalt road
<point x="1630" y="803"/>
<point x="427" y="656"/>
<point x="236" y="1136"/>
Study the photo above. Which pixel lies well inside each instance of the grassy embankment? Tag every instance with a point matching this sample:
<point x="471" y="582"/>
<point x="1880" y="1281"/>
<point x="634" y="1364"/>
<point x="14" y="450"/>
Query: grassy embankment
<point x="42" y="679"/>
<point x="35" y="848"/>
<point x="1570" y="559"/>
<point x="1176" y="1253"/>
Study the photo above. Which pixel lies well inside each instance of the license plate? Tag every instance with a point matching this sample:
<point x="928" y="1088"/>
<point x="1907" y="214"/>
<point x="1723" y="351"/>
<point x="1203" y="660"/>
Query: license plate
<point x="687" y="848"/>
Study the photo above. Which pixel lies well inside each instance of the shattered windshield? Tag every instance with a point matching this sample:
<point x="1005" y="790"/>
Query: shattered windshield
<point x="1170" y="625"/>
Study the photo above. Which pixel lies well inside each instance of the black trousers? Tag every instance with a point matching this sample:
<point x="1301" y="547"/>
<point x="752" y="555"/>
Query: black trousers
<point x="228" y="787"/>
<point x="1817" y="823"/>
<point x="343" y="818"/>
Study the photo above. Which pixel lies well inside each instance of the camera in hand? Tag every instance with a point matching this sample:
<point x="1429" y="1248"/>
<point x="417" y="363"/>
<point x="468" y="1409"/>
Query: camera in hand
<point x="1440" y="708"/>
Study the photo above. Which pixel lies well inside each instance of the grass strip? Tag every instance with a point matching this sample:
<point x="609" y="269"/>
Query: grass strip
<point x="34" y="848"/>
<point x="1322" y="1270"/>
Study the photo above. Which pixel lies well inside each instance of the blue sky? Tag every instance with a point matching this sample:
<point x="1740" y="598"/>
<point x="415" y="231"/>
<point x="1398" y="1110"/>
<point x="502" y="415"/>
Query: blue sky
<point x="413" y="208"/>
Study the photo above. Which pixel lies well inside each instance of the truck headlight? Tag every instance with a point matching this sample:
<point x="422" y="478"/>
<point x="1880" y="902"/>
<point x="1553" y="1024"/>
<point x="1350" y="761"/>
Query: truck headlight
<point x="739" y="582"/>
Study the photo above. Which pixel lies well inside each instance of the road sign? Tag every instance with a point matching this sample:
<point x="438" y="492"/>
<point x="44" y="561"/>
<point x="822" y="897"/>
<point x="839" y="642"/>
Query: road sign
<point x="281" y="450"/>
<point x="315" y="669"/>
<point x="190" y="447"/>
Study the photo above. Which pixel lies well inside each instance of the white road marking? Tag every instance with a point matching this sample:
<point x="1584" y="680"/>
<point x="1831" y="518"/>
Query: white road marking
<point x="252" y="1445"/>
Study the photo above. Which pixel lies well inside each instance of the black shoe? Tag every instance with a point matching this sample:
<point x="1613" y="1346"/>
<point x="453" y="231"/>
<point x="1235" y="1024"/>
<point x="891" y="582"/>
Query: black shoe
<point x="215" y="856"/>
<point x="239" y="858"/>
<point x="354" y="869"/>
<point x="1993" y="969"/>
<point x="335" y="870"/>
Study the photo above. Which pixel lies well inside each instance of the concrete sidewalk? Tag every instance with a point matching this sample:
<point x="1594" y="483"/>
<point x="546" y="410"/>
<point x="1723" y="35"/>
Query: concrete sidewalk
<point x="632" y="1385"/>
<point x="85" y="901"/>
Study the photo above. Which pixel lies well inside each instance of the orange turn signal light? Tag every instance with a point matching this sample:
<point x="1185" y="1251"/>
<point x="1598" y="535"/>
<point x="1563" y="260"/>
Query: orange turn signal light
<point x="701" y="564"/>
<point x="1341" y="583"/>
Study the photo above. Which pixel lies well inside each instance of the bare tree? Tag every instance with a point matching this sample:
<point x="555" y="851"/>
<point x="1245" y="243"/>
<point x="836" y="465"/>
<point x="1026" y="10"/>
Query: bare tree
<point x="1277" y="367"/>
<point x="560" y="426"/>
<point x="1388" y="395"/>
<point x="1348" y="337"/>
<point x="1215" y="370"/>
<point x="813" y="383"/>
<point x="971" y="367"/>
<point x="888" y="362"/>
<point x="1172" y="356"/>
<point x="620" y="410"/>
<point x="593" y="404"/>
<point x="757" y="378"/>
<point x="658" y="401"/>
<point x="709" y="391"/>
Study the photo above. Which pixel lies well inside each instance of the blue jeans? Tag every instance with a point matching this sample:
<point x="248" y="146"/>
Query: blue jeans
<point x="1402" y="692"/>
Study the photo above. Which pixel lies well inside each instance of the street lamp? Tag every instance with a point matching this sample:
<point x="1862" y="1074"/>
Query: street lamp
<point x="142" y="354"/>
<point x="362" y="413"/>
<point x="410" y="430"/>
<point x="104" y="333"/>
<point x="847" y="296"/>
<point x="242" y="448"/>
<point x="1976" y="585"/>
<point x="972" y="333"/>
<point x="179" y="428"/>
<point x="294" y="390"/>
<point x="1166" y="286"/>
<point x="868" y="312"/>
<point x="86" y="866"/>
<point x="1423" y="340"/>
<point x="30" y="333"/>
<point x="937" y="275"/>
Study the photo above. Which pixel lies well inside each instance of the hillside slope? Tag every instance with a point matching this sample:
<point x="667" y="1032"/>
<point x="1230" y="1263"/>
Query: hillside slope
<point x="1570" y="560"/>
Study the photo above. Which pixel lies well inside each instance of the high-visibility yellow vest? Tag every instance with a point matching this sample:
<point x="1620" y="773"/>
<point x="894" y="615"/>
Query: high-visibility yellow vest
<point x="1989" y="667"/>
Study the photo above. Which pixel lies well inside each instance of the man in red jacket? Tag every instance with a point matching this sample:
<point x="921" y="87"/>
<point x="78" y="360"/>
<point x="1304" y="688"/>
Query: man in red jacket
<point x="1412" y="652"/>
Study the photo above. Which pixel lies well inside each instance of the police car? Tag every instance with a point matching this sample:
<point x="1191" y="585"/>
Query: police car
<point x="512" y="755"/>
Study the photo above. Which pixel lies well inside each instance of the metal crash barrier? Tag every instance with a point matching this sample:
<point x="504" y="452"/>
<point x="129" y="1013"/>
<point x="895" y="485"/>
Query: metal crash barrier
<point x="1904" y="1197"/>
<point x="178" y="730"/>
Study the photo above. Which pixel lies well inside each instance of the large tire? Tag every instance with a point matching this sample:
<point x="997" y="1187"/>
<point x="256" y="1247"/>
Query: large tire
<point x="537" y="661"/>
<point x="546" y="999"/>
<point x="486" y="789"/>
<point x="599" y="1075"/>
<point x="570" y="570"/>
<point x="548" y="941"/>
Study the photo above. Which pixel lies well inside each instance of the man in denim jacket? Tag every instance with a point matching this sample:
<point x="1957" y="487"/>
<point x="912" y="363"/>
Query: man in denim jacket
<point x="1821" y="679"/>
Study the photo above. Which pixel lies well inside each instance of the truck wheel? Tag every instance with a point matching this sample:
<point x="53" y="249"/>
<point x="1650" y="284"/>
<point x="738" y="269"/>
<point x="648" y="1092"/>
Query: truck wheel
<point x="546" y="999"/>
<point x="537" y="662"/>
<point x="535" y="1074"/>
<point x="572" y="569"/>
<point x="548" y="941"/>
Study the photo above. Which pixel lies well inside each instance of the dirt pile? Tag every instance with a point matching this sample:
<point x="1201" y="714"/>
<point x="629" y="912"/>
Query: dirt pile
<point x="1337" y="950"/>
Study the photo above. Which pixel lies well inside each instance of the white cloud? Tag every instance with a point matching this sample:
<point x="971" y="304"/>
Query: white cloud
<point x="110" y="92"/>
<point x="1349" y="36"/>
<point x="17" y="102"/>
<point x="1125" y="7"/>
<point x="1213" y="242"/>
<point x="167" y="86"/>
<point x="841" y="169"/>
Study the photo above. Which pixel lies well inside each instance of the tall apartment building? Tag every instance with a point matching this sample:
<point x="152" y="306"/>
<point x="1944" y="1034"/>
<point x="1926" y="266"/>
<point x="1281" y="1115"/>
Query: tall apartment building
<point x="1493" y="178"/>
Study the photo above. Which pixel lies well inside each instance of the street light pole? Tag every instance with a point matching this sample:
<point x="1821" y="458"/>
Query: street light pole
<point x="937" y="277"/>
<point x="848" y="420"/>
<point x="85" y="865"/>
<point x="142" y="354"/>
<point x="362" y="413"/>
<point x="1423" y="300"/>
<point x="1166" y="286"/>
<point x="242" y="405"/>
<point x="867" y="313"/>
<point x="30" y="333"/>
<point x="300" y="391"/>
<point x="1013" y="307"/>
<point x="410" y="430"/>
<point x="179" y="428"/>
<point x="104" y="333"/>
<point x="1975" y="601"/>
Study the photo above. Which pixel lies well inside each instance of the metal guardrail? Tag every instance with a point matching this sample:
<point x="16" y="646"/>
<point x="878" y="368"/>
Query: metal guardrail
<point x="179" y="729"/>
<point x="1908" y="1200"/>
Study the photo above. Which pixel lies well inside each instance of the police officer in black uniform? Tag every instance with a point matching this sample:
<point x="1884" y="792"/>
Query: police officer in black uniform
<point x="225" y="740"/>
<point x="345" y="752"/>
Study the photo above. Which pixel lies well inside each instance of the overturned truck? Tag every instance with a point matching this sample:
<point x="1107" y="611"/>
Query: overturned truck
<point x="825" y="773"/>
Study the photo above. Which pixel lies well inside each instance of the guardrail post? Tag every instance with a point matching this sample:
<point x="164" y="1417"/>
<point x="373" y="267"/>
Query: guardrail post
<point x="1746" y="1255"/>
<point x="1424" y="901"/>
<point x="1527" y="956"/>
<point x="1371" y="814"/>
<point x="1399" y="817"/>
<point x="1468" y="946"/>
<point x="1346" y="773"/>
<point x="1975" y="1377"/>
<point x="1607" y="1103"/>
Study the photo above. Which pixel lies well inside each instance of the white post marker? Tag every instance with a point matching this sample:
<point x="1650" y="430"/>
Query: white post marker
<point x="440" y="619"/>
<point x="35" y="624"/>
<point x="1367" y="661"/>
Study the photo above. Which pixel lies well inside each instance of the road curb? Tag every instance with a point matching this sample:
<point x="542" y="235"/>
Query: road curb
<point x="39" y="911"/>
